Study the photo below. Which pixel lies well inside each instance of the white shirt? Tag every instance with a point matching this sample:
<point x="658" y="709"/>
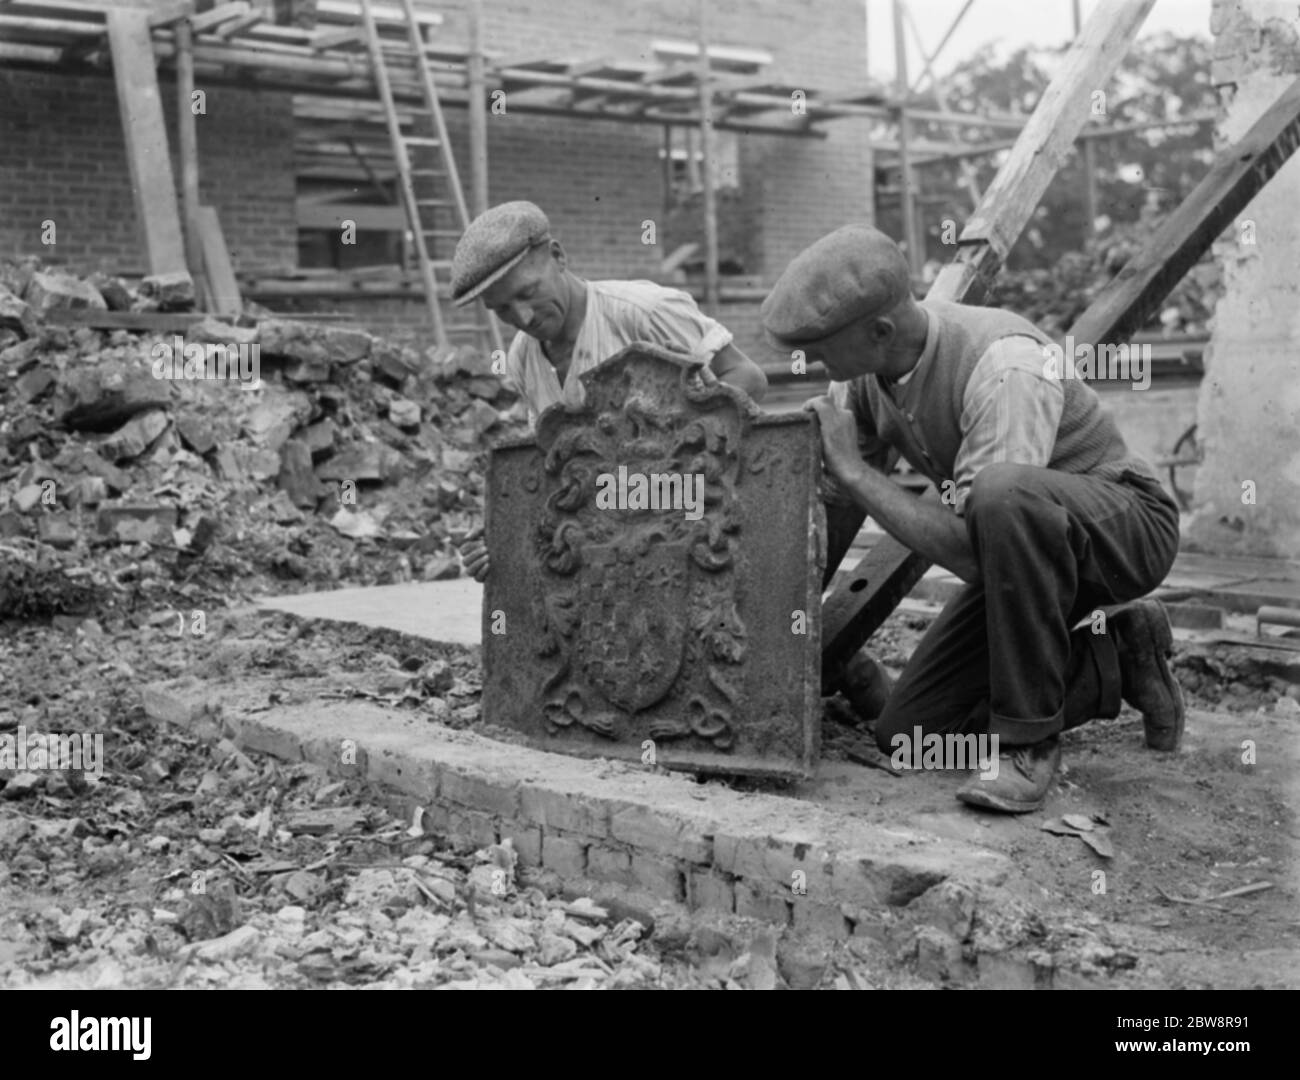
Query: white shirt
<point x="618" y="313"/>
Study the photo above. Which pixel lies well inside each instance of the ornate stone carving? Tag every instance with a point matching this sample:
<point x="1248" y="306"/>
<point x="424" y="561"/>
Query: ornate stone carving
<point x="656" y="560"/>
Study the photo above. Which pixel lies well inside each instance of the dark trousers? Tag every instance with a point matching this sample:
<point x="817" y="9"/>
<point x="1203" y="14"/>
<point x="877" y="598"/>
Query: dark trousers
<point x="1053" y="548"/>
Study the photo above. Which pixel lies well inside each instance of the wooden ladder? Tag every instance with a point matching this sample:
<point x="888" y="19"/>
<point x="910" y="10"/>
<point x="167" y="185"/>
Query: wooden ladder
<point x="432" y="195"/>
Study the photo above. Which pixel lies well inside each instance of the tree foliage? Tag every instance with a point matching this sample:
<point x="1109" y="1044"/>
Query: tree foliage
<point x="1059" y="264"/>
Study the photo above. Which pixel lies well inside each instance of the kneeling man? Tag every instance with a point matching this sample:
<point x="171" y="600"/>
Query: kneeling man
<point x="1045" y="513"/>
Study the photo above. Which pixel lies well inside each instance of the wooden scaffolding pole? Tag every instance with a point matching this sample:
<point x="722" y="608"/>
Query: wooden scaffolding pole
<point x="140" y="102"/>
<point x="707" y="153"/>
<point x="477" y="104"/>
<point x="1089" y="152"/>
<point x="907" y="202"/>
<point x="188" y="145"/>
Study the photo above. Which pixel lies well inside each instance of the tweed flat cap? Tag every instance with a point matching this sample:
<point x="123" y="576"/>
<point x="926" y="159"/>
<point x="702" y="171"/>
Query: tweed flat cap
<point x="855" y="272"/>
<point x="493" y="244"/>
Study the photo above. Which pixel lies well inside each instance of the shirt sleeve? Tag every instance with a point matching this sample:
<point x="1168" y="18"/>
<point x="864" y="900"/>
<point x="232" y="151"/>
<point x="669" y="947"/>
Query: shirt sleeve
<point x="676" y="322"/>
<point x="1010" y="412"/>
<point x="874" y="450"/>
<point x="515" y="378"/>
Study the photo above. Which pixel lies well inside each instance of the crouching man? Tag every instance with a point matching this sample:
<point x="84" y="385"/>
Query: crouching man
<point x="568" y="325"/>
<point x="1045" y="514"/>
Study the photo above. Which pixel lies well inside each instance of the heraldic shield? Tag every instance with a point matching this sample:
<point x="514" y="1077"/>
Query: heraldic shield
<point x="656" y="573"/>
<point x="631" y="638"/>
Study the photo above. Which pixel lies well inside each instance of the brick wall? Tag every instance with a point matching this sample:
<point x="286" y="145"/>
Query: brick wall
<point x="63" y="157"/>
<point x="599" y="180"/>
<point x="62" y="154"/>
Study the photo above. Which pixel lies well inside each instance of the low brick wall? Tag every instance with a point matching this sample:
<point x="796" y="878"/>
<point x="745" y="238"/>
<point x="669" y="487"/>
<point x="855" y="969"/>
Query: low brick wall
<point x="663" y="836"/>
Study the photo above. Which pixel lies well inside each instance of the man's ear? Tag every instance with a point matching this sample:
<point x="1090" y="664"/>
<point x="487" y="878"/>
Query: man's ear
<point x="557" y="253"/>
<point x="883" y="330"/>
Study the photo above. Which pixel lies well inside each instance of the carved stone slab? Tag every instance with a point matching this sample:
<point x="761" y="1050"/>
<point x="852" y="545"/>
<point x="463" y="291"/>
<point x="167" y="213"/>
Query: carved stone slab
<point x="656" y="575"/>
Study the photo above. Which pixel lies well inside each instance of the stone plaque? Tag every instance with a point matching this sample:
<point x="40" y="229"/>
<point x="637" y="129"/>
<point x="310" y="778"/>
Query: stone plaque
<point x="656" y="575"/>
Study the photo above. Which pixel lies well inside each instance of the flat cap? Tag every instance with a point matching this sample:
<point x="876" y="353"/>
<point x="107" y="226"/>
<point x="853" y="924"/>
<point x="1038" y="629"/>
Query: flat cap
<point x="855" y="272"/>
<point x="494" y="242"/>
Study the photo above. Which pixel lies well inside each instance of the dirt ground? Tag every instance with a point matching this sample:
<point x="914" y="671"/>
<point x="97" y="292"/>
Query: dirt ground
<point x="311" y="882"/>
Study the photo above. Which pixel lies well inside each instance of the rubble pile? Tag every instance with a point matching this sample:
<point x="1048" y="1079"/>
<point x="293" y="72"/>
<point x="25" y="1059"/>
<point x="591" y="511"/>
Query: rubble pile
<point x="309" y="454"/>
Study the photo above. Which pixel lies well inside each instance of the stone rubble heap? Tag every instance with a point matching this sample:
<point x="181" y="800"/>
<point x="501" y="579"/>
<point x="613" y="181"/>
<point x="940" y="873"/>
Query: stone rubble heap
<point x="357" y="460"/>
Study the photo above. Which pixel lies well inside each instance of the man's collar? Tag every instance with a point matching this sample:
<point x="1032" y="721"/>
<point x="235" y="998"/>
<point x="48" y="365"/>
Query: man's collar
<point x="927" y="352"/>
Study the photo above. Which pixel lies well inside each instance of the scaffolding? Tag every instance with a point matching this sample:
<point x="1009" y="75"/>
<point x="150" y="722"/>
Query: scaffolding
<point x="339" y="123"/>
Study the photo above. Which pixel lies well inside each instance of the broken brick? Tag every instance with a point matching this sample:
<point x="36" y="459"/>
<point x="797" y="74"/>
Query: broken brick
<point x="131" y="523"/>
<point x="196" y="433"/>
<point x="319" y="437"/>
<point x="313" y="343"/>
<point x="370" y="463"/>
<point x="33" y="384"/>
<point x="57" y="530"/>
<point x="15" y="313"/>
<point x="403" y="413"/>
<point x="296" y="477"/>
<point x="50" y="291"/>
<point x="100" y="399"/>
<point x="135" y="436"/>
<point x="114" y="291"/>
<point x="172" y="291"/>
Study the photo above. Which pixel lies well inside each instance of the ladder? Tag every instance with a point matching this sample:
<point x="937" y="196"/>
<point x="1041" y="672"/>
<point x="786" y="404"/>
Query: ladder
<point x="432" y="195"/>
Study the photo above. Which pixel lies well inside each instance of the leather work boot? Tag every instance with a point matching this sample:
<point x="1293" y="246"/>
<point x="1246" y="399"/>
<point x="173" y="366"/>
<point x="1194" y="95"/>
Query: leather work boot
<point x="1144" y="640"/>
<point x="866" y="684"/>
<point x="1024" y="775"/>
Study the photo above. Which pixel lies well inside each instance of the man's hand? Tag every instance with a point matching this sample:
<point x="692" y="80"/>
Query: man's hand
<point x="840" y="452"/>
<point x="474" y="554"/>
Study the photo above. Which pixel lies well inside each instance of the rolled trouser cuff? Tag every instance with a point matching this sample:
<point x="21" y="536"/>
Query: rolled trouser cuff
<point x="1015" y="731"/>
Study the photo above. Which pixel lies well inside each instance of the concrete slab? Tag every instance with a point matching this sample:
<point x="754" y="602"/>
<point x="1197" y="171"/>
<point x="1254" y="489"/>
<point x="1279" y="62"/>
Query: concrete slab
<point x="444" y="611"/>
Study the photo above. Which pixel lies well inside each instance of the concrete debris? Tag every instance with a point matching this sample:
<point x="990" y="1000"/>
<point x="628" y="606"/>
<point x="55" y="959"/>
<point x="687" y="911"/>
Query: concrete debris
<point x="17" y="314"/>
<point x="342" y="421"/>
<point x="172" y="291"/>
<point x="52" y="291"/>
<point x="313" y="342"/>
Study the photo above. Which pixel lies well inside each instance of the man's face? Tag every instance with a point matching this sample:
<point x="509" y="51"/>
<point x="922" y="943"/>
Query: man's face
<point x="533" y="297"/>
<point x="861" y="348"/>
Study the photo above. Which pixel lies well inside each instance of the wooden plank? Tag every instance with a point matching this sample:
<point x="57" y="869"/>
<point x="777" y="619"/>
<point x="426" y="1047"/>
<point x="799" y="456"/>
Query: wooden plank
<point x="855" y="609"/>
<point x="172" y="13"/>
<point x="145" y="321"/>
<point x="216" y="265"/>
<point x="40" y="54"/>
<point x="188" y="146"/>
<point x="1041" y="148"/>
<point x="201" y="24"/>
<point x="243" y="22"/>
<point x="59" y="29"/>
<point x="368" y="218"/>
<point x="140" y="103"/>
<point x="337" y="38"/>
<point x="385" y="15"/>
<point x="1236" y="177"/>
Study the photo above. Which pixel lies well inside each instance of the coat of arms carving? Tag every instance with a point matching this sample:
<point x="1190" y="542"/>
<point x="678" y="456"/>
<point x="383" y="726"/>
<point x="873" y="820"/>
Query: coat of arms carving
<point x="656" y="575"/>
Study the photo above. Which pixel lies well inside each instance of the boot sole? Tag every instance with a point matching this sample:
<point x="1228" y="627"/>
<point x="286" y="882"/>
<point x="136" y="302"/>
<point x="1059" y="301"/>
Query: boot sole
<point x="986" y="801"/>
<point x="1163" y="640"/>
